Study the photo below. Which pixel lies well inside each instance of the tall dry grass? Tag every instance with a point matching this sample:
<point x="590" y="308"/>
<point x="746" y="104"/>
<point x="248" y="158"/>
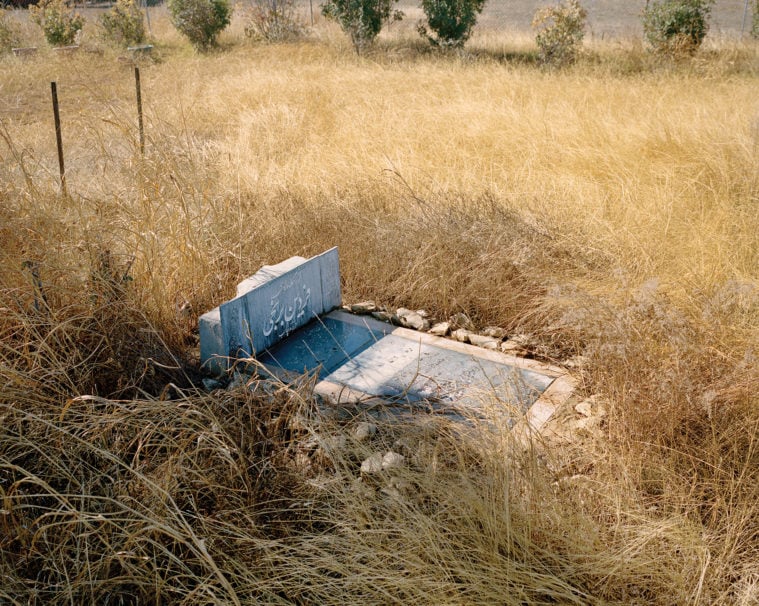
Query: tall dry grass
<point x="609" y="211"/>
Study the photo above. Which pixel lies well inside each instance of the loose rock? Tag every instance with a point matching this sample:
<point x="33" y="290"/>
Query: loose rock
<point x="373" y="464"/>
<point x="590" y="425"/>
<point x="576" y="362"/>
<point x="496" y="332"/>
<point x="365" y="307"/>
<point x="364" y="431"/>
<point x="441" y="329"/>
<point x="411" y="319"/>
<point x="461" y="320"/>
<point x="379" y="462"/>
<point x="592" y="406"/>
<point x="461" y="335"/>
<point x="483" y="341"/>
<point x="392" y="460"/>
<point x="416" y="322"/>
<point x="585" y="408"/>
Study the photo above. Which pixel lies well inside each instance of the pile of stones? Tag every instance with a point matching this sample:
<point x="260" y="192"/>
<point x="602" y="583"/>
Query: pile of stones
<point x="458" y="327"/>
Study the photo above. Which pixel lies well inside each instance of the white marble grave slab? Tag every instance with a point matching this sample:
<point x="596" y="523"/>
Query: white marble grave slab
<point x="361" y="359"/>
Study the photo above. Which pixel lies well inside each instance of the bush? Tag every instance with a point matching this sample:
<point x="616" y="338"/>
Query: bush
<point x="676" y="26"/>
<point x="755" y="21"/>
<point x="559" y="32"/>
<point x="362" y="20"/>
<point x="59" y="23"/>
<point x="8" y="33"/>
<point x="200" y="20"/>
<point x="124" y="23"/>
<point x="451" y="21"/>
<point x="274" y="21"/>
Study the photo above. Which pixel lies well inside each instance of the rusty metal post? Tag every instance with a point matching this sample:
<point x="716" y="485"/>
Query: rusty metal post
<point x="58" y="138"/>
<point x="139" y="109"/>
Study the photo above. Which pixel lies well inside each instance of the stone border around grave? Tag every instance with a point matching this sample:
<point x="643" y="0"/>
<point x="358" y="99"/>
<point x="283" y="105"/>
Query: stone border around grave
<point x="490" y="344"/>
<point x="459" y="327"/>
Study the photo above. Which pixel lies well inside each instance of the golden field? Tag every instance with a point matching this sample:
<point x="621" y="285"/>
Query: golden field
<point x="609" y="212"/>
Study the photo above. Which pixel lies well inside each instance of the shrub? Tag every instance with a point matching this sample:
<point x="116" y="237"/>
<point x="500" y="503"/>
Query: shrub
<point x="676" y="26"/>
<point x="8" y="33"/>
<point x="59" y="23"/>
<point x="451" y="21"/>
<point x="274" y="21"/>
<point x="755" y="21"/>
<point x="201" y="21"/>
<point x="124" y="23"/>
<point x="559" y="31"/>
<point x="362" y="20"/>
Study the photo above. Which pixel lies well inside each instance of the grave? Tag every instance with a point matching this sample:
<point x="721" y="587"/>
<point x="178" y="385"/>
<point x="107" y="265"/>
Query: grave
<point x="25" y="52"/>
<point x="66" y="50"/>
<point x="284" y="317"/>
<point x="141" y="50"/>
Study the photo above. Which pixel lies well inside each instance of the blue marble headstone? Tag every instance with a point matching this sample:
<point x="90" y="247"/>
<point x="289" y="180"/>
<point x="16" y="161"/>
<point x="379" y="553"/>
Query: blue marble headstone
<point x="270" y="305"/>
<point x="271" y="311"/>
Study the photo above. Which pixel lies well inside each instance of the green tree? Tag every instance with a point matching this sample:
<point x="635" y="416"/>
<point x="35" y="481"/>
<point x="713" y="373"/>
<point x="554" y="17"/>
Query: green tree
<point x="124" y="23"/>
<point x="450" y="22"/>
<point x="60" y="24"/>
<point x="362" y="20"/>
<point x="676" y="26"/>
<point x="201" y="21"/>
<point x="560" y="30"/>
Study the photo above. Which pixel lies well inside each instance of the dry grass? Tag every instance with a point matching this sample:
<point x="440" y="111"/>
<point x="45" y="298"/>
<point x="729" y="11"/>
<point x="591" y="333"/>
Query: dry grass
<point x="609" y="211"/>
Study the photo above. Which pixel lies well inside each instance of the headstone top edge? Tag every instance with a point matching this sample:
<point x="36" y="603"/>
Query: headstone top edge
<point x="268" y="273"/>
<point x="277" y="300"/>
